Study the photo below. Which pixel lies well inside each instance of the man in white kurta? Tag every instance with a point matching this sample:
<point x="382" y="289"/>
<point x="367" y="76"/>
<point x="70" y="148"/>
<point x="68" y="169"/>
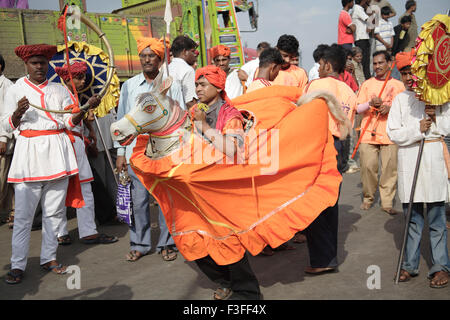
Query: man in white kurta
<point x="409" y="122"/>
<point x="87" y="228"/>
<point x="43" y="158"/>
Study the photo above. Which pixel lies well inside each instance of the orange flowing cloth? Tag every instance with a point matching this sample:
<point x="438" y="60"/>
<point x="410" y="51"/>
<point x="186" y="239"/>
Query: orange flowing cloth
<point x="222" y="210"/>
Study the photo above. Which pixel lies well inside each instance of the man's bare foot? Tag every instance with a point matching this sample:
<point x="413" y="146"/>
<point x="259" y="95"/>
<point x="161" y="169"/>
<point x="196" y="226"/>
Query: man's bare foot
<point x="439" y="280"/>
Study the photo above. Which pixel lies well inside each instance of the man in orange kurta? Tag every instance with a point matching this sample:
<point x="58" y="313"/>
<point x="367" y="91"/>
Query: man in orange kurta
<point x="270" y="62"/>
<point x="290" y="75"/>
<point x="375" y="142"/>
<point x="220" y="208"/>
<point x="321" y="235"/>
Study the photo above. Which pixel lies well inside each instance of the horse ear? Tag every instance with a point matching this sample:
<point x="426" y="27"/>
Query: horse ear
<point x="165" y="85"/>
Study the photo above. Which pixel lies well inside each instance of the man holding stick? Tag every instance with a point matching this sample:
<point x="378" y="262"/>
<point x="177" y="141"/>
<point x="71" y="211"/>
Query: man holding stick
<point x="409" y="122"/>
<point x="374" y="102"/>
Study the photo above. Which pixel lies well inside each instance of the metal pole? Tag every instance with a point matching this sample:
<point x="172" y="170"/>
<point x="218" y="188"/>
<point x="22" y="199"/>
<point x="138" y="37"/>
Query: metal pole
<point x="408" y="214"/>
<point x="108" y="155"/>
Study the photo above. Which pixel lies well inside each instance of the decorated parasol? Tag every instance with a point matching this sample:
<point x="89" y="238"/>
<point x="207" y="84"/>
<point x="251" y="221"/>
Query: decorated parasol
<point x="96" y="76"/>
<point x="431" y="67"/>
<point x="431" y="72"/>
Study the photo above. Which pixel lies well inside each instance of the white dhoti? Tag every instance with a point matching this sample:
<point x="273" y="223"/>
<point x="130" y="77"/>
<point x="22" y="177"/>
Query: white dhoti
<point x="86" y="214"/>
<point x="52" y="195"/>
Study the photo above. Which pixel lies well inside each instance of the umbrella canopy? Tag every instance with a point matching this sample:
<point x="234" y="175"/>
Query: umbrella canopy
<point x="431" y="66"/>
<point x="96" y="75"/>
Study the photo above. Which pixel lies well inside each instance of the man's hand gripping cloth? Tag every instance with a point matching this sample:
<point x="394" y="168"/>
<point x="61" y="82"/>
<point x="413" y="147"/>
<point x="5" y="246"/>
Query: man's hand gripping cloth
<point x="222" y="210"/>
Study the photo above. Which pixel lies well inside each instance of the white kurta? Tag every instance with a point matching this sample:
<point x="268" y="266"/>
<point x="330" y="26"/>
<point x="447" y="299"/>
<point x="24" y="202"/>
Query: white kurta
<point x="46" y="157"/>
<point x="403" y="128"/>
<point x="84" y="168"/>
<point x="233" y="86"/>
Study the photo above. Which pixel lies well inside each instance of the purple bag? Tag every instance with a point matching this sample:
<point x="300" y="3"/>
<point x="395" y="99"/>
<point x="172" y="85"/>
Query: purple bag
<point x="124" y="205"/>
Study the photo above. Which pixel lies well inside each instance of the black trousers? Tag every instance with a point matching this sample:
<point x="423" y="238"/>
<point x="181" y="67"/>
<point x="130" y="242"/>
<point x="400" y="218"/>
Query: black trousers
<point x="321" y="234"/>
<point x="365" y="47"/>
<point x="238" y="276"/>
<point x="321" y="237"/>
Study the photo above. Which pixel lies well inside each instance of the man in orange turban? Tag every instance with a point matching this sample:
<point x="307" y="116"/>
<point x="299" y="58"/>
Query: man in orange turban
<point x="222" y="124"/>
<point x="409" y="122"/>
<point x="155" y="45"/>
<point x="221" y="56"/>
<point x="151" y="56"/>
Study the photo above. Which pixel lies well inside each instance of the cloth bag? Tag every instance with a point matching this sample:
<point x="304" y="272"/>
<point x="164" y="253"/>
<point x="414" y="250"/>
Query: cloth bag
<point x="124" y="204"/>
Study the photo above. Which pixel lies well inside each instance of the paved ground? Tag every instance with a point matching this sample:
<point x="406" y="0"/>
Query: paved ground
<point x="366" y="239"/>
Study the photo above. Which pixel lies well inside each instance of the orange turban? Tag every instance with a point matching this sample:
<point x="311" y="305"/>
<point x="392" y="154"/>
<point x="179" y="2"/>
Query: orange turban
<point x="76" y="68"/>
<point x="25" y="52"/>
<point x="216" y="76"/>
<point x="220" y="50"/>
<point x="156" y="45"/>
<point x="404" y="59"/>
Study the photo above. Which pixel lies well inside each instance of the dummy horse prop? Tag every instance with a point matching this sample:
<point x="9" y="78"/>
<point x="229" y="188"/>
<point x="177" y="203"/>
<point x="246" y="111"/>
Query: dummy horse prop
<point x="283" y="177"/>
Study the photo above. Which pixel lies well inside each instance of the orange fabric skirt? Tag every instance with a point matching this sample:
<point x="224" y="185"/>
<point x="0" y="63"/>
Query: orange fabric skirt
<point x="222" y="210"/>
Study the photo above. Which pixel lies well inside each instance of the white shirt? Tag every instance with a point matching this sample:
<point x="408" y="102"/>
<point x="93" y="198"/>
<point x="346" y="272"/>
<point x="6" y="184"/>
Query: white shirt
<point x="5" y="83"/>
<point x="183" y="72"/>
<point x="233" y="86"/>
<point x="250" y="68"/>
<point x="403" y="128"/>
<point x="386" y="31"/>
<point x="314" y="72"/>
<point x="359" y="18"/>
<point x="46" y="157"/>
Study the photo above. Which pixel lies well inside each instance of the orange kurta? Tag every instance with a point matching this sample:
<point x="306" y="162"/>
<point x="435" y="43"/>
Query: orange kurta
<point x="343" y="93"/>
<point x="258" y="84"/>
<point x="222" y="210"/>
<point x="370" y="89"/>
<point x="293" y="76"/>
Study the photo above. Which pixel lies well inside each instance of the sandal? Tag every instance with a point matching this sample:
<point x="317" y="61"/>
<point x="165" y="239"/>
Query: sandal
<point x="404" y="276"/>
<point x="267" y="251"/>
<point x="14" y="276"/>
<point x="64" y="240"/>
<point x="100" y="239"/>
<point x="55" y="268"/>
<point x="134" y="255"/>
<point x="222" y="293"/>
<point x="168" y="254"/>
<point x="299" y="238"/>
<point x="284" y="246"/>
<point x="439" y="280"/>
<point x="390" y="211"/>
<point x="365" y="206"/>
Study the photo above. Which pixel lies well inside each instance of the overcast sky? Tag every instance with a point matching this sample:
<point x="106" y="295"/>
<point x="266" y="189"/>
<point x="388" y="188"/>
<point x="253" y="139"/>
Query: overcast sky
<point x="312" y="22"/>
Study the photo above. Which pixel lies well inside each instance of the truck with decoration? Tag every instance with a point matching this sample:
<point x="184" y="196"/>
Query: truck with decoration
<point x="208" y="22"/>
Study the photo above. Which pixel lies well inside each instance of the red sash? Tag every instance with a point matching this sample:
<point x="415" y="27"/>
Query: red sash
<point x="74" y="196"/>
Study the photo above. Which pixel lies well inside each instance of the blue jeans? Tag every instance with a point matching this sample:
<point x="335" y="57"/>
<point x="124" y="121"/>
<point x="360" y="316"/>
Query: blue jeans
<point x="140" y="233"/>
<point x="438" y="238"/>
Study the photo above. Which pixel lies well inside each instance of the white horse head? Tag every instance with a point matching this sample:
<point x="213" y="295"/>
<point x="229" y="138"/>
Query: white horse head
<point x="152" y="113"/>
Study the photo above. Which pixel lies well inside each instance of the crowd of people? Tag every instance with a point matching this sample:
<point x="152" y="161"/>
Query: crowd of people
<point x="50" y="160"/>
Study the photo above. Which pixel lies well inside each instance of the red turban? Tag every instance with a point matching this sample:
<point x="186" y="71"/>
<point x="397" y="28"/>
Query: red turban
<point x="216" y="76"/>
<point x="220" y="50"/>
<point x="76" y="68"/>
<point x="156" y="45"/>
<point x="404" y="59"/>
<point x="25" y="52"/>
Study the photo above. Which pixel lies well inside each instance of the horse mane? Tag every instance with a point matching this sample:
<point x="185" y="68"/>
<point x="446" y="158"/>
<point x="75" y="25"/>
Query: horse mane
<point x="334" y="107"/>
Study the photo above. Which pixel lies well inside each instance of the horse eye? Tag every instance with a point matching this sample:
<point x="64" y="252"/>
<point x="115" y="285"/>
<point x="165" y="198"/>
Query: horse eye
<point x="149" y="108"/>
